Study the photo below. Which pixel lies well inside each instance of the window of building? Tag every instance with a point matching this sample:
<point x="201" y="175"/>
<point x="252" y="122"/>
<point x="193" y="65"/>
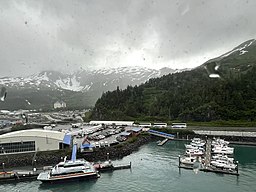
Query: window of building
<point x="17" y="147"/>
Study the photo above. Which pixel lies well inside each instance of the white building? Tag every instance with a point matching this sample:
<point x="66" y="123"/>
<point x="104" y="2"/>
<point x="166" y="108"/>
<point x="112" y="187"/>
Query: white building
<point x="32" y="140"/>
<point x="59" y="104"/>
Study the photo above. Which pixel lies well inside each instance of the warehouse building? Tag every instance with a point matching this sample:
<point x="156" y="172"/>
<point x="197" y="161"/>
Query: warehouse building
<point x="33" y="140"/>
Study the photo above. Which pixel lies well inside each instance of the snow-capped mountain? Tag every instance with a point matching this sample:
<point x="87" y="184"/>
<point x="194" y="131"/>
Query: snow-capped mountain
<point x="81" y="89"/>
<point x="233" y="63"/>
<point x="86" y="80"/>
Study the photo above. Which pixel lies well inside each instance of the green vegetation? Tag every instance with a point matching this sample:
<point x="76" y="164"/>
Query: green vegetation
<point x="132" y="139"/>
<point x="190" y="96"/>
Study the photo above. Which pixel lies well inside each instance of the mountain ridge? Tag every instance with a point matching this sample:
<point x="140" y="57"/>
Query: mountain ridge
<point x="85" y="86"/>
<point x="222" y="88"/>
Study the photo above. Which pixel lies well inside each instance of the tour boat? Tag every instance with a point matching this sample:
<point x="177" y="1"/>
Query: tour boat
<point x="71" y="169"/>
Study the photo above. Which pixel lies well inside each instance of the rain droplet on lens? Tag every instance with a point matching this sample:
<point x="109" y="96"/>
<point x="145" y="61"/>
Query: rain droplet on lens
<point x="3" y="94"/>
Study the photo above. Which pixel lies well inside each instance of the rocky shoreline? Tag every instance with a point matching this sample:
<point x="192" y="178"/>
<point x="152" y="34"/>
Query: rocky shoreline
<point x="53" y="157"/>
<point x="99" y="154"/>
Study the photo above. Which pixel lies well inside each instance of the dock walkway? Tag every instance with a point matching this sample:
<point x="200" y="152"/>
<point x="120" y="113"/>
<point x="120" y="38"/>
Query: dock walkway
<point x="161" y="134"/>
<point x="208" y="155"/>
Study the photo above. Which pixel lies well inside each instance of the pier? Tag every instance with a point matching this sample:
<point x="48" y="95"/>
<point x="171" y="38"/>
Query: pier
<point x="208" y="154"/>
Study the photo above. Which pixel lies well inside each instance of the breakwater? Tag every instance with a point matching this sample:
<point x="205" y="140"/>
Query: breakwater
<point x="100" y="154"/>
<point x="54" y="157"/>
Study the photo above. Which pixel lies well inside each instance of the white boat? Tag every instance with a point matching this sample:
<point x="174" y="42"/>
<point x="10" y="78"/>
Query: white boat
<point x="191" y="146"/>
<point x="198" y="142"/>
<point x="222" y="157"/>
<point x="223" y="164"/>
<point x="71" y="169"/>
<point x="219" y="141"/>
<point x="194" y="152"/>
<point x="223" y="150"/>
<point x="188" y="160"/>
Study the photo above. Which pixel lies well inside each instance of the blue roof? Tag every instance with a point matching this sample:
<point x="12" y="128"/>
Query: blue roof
<point x="161" y="133"/>
<point x="125" y="133"/>
<point x="86" y="145"/>
<point x="136" y="129"/>
<point x="67" y="139"/>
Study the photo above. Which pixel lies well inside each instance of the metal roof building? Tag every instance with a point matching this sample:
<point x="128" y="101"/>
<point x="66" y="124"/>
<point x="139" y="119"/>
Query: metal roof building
<point x="33" y="140"/>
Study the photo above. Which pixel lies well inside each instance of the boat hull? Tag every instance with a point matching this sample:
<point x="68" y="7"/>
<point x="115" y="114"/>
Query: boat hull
<point x="61" y="178"/>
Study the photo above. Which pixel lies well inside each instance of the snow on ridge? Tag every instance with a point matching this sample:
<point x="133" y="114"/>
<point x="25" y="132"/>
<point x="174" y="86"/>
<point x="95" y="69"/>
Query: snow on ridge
<point x="243" y="52"/>
<point x="251" y="42"/>
<point x="241" y="49"/>
<point x="69" y="83"/>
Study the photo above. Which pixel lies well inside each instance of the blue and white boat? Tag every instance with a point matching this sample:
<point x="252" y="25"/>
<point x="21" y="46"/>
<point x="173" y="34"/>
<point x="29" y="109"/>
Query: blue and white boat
<point x="69" y="170"/>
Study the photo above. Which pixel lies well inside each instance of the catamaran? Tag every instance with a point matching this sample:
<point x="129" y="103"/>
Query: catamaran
<point x="70" y="169"/>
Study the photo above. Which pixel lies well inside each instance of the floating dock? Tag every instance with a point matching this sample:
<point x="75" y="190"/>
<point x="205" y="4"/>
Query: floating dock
<point x="211" y="169"/>
<point x="163" y="142"/>
<point x="22" y="175"/>
<point x="29" y="175"/>
<point x="101" y="168"/>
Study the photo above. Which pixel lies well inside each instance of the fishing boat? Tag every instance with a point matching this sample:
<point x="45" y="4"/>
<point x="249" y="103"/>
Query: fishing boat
<point x="69" y="170"/>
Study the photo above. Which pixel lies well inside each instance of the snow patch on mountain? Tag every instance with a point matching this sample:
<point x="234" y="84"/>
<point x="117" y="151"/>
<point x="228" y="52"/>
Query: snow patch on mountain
<point x="87" y="80"/>
<point x="69" y="83"/>
<point x="239" y="49"/>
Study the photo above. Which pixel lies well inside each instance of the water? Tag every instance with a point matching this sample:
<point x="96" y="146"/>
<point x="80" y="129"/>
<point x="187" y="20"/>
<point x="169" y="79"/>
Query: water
<point x="155" y="168"/>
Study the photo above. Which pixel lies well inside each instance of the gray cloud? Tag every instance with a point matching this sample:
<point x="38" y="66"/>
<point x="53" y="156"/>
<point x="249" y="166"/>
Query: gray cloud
<point x="70" y="35"/>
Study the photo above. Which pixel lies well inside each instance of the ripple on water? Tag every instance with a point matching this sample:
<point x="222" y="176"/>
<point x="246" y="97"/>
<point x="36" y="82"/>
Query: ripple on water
<point x="155" y="168"/>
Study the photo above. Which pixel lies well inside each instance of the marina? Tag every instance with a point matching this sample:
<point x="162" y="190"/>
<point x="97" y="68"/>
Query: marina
<point x="208" y="159"/>
<point x="145" y="177"/>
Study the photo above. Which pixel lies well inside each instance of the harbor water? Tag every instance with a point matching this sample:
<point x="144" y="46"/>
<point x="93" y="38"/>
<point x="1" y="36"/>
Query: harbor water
<point x="155" y="168"/>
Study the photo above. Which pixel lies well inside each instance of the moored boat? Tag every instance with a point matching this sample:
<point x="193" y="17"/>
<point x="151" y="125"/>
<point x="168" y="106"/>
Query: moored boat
<point x="223" y="164"/>
<point x="70" y="170"/>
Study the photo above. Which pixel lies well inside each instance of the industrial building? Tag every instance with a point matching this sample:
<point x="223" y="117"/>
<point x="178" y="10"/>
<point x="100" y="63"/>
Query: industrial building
<point x="33" y="140"/>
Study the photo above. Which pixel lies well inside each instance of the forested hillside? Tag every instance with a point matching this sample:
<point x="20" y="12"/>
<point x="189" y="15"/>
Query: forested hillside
<point x="223" y="88"/>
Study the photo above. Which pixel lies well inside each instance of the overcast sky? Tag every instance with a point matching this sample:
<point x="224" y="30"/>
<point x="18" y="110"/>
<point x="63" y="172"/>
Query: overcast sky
<point x="87" y="34"/>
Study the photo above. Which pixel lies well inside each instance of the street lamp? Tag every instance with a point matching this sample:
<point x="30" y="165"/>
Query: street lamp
<point x="34" y="169"/>
<point x="3" y="167"/>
